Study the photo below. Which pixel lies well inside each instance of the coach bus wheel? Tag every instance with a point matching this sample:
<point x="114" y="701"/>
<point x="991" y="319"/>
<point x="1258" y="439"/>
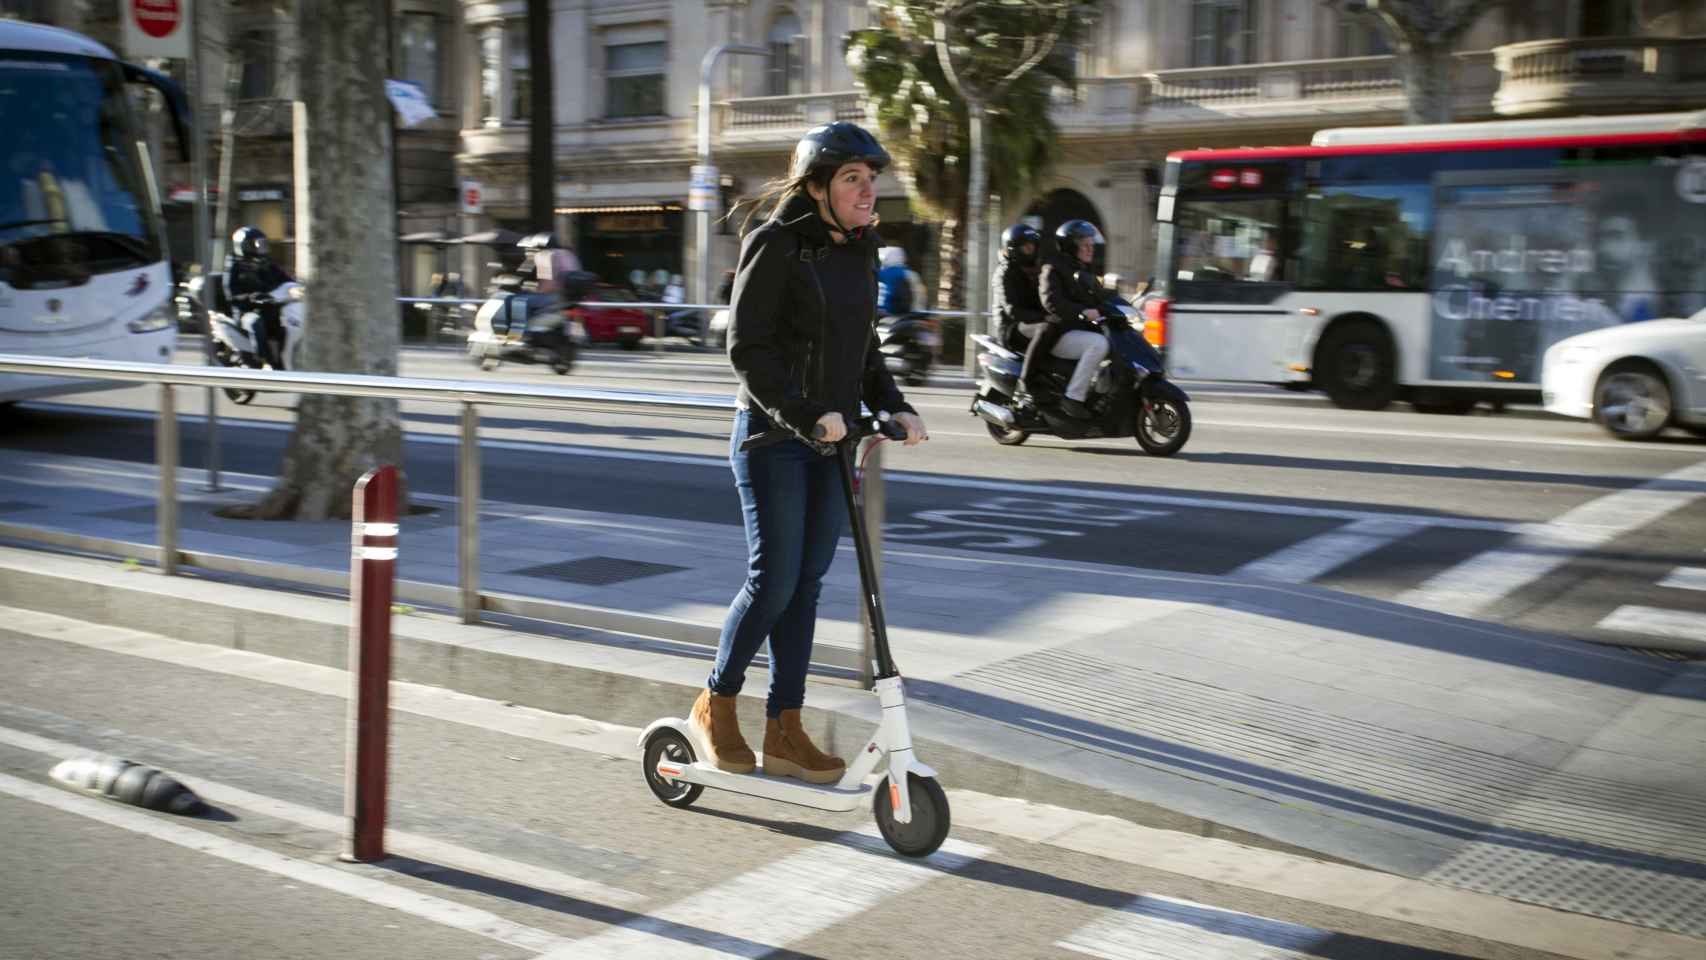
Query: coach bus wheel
<point x="1354" y="365"/>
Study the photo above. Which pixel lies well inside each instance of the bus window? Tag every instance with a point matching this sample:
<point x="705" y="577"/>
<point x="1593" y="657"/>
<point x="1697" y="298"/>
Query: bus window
<point x="1222" y="241"/>
<point x="1367" y="237"/>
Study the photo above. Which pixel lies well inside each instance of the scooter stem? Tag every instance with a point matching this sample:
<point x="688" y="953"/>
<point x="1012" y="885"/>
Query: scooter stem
<point x="867" y="568"/>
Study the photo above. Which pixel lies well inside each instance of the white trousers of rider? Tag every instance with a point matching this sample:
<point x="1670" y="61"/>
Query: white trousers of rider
<point x="1089" y="349"/>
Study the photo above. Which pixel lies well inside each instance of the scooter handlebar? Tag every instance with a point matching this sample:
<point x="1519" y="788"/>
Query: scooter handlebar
<point x="879" y="423"/>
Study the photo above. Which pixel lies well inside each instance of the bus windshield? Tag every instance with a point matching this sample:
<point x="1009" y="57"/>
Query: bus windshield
<point x="73" y="199"/>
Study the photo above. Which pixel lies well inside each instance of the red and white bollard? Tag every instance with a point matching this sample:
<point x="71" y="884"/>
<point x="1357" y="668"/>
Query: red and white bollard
<point x="373" y="568"/>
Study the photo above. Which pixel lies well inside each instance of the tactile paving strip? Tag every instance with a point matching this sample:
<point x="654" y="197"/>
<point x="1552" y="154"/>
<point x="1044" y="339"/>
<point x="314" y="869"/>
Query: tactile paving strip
<point x="1576" y="842"/>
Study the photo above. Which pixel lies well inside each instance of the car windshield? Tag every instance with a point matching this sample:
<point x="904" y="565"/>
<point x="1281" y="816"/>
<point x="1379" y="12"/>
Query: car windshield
<point x="73" y="201"/>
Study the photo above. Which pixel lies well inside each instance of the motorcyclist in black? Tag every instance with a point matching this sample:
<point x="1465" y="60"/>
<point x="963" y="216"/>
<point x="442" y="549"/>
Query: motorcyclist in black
<point x="1017" y="305"/>
<point x="1072" y="297"/>
<point x="249" y="273"/>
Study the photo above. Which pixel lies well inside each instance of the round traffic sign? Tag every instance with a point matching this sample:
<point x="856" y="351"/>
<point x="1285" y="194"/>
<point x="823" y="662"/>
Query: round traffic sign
<point x="157" y="18"/>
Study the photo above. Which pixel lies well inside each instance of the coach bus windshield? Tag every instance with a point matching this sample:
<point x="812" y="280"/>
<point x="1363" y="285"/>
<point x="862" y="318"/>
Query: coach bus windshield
<point x="73" y="198"/>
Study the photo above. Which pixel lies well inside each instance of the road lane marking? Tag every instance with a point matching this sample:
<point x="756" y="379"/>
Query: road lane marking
<point x="425" y="849"/>
<point x="1540" y="548"/>
<point x="1154" y="927"/>
<point x="774" y="905"/>
<point x="1685" y="625"/>
<point x="1365" y="891"/>
<point x="1686" y="578"/>
<point x="1305" y="560"/>
<point x="1052" y="491"/>
<point x="444" y="912"/>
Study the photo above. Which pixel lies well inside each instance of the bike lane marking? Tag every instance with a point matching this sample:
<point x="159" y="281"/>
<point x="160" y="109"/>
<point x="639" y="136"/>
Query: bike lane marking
<point x="1305" y="560"/>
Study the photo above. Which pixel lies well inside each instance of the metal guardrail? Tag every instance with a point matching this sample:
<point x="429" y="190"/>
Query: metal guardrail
<point x="467" y="597"/>
<point x="646" y="305"/>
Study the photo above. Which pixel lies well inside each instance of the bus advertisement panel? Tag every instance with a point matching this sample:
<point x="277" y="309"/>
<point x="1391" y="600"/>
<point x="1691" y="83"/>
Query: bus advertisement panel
<point x="1435" y="263"/>
<point x="1521" y="261"/>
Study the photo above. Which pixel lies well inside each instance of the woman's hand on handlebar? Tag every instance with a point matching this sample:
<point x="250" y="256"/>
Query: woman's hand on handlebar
<point x="914" y="424"/>
<point x="830" y="428"/>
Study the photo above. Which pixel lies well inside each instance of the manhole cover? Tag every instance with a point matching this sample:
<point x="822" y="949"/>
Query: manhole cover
<point x="597" y="571"/>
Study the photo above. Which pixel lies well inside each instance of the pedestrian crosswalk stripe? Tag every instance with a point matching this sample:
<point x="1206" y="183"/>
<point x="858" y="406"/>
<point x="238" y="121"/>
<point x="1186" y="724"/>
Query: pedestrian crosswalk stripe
<point x="1682" y="625"/>
<point x="1686" y="578"/>
<point x="1307" y="559"/>
<point x="1162" y="928"/>
<point x="776" y="904"/>
<point x="1482" y="580"/>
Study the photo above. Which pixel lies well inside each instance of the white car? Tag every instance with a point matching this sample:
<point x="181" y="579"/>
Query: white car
<point x="1635" y="379"/>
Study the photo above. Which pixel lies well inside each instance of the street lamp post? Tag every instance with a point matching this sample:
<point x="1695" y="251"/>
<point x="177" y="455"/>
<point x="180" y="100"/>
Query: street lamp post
<point x="703" y="171"/>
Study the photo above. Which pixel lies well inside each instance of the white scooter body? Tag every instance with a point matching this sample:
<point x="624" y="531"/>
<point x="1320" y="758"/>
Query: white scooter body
<point x="239" y="336"/>
<point x="892" y="742"/>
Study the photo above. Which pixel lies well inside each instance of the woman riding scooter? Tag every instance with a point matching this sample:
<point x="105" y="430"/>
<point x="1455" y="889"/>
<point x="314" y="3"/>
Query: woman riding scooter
<point x="800" y="342"/>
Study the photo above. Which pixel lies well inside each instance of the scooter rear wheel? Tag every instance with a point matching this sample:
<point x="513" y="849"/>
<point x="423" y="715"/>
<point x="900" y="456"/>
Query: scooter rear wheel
<point x="1006" y="437"/>
<point x="929" y="826"/>
<point x="667" y="744"/>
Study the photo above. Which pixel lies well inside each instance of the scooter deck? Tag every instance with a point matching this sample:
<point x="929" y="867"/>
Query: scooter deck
<point x="824" y="796"/>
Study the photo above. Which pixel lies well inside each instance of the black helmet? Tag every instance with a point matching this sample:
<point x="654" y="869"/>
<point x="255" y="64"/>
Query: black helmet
<point x="1067" y="235"/>
<point x="249" y="243"/>
<point x="1017" y="236"/>
<point x="834" y="144"/>
<point x="543" y="240"/>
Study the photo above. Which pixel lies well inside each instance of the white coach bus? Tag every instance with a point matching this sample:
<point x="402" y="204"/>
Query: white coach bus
<point x="83" y="264"/>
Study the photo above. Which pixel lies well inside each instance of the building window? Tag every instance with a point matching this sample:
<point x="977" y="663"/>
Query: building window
<point x="786" y="73"/>
<point x="491" y="74"/>
<point x="258" y="48"/>
<point x="633" y="80"/>
<point x="1360" y="36"/>
<point x="1609" y="18"/>
<point x="1223" y="32"/>
<point x="520" y="83"/>
<point x="418" y="43"/>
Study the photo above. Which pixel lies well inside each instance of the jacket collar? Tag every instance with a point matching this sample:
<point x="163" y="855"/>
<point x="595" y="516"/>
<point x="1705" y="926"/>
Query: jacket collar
<point x="800" y="215"/>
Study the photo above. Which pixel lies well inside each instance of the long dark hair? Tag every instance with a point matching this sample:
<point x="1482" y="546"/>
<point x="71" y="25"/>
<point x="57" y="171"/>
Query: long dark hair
<point x="776" y="193"/>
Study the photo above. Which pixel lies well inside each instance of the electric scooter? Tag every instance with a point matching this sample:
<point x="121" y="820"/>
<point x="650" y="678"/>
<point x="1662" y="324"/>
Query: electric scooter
<point x="910" y="807"/>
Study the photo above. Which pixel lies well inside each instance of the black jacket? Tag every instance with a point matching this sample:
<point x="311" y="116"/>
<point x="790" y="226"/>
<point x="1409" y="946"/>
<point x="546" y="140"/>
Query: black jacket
<point x="1067" y="289"/>
<point x="802" y="319"/>
<point x="1016" y="298"/>
<point x="244" y="277"/>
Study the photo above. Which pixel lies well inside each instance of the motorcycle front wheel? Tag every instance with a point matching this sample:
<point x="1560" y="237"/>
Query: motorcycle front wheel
<point x="226" y="359"/>
<point x="1163" y="425"/>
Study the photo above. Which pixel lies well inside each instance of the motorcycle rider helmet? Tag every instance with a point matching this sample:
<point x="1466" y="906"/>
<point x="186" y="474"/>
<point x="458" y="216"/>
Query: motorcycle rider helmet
<point x="1068" y="235"/>
<point x="249" y="243"/>
<point x="1015" y="237"/>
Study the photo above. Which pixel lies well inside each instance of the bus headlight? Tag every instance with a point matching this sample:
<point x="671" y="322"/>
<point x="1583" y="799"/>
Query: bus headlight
<point x="159" y="318"/>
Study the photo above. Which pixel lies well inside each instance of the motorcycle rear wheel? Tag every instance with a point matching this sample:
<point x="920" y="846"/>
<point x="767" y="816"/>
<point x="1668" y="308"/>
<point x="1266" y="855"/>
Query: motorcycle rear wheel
<point x="1006" y="437"/>
<point x="1162" y="426"/>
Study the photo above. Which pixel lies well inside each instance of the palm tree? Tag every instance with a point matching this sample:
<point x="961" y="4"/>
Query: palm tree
<point x="923" y="117"/>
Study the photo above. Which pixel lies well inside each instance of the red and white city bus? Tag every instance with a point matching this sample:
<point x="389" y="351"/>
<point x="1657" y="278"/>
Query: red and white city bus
<point x="1432" y="263"/>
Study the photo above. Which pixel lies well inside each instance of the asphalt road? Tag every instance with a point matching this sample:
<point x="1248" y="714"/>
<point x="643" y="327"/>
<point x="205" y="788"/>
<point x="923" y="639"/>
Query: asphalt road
<point x="515" y="846"/>
<point x="1394" y="505"/>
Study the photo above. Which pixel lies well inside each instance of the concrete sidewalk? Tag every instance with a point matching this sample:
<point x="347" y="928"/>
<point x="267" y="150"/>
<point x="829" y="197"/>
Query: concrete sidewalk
<point x="1536" y="768"/>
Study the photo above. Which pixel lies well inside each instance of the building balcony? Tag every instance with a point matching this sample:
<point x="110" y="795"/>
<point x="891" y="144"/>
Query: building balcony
<point x="778" y="121"/>
<point x="1602" y="74"/>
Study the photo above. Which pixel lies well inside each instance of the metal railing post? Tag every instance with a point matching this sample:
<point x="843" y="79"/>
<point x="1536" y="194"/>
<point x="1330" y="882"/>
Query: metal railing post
<point x="166" y="455"/>
<point x="871" y="501"/>
<point x="373" y="574"/>
<point x="468" y="514"/>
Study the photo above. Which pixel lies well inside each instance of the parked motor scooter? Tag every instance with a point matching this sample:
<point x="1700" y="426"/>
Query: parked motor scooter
<point x="909" y="343"/>
<point x="233" y="321"/>
<point x="1130" y="396"/>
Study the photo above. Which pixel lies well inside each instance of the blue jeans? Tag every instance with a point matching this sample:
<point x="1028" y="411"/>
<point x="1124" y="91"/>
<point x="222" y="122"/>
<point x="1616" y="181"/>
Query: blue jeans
<point x="793" y="506"/>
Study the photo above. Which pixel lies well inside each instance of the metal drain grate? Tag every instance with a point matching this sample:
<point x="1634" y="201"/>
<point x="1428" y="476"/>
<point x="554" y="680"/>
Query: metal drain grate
<point x="597" y="571"/>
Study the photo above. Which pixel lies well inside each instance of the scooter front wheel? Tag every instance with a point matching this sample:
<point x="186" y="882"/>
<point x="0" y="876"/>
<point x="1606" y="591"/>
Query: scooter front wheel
<point x="1163" y="425"/>
<point x="929" y="826"/>
<point x="667" y="745"/>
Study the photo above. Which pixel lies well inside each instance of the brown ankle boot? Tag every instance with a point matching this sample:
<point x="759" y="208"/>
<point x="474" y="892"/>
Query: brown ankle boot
<point x="714" y="715"/>
<point x="788" y="752"/>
